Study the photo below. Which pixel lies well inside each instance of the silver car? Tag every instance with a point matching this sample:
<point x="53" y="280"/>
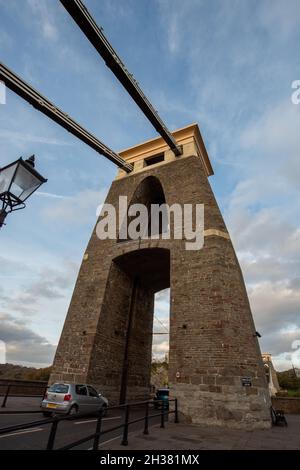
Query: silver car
<point x="71" y="398"/>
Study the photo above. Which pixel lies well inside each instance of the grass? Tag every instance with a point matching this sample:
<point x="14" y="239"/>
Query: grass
<point x="294" y="393"/>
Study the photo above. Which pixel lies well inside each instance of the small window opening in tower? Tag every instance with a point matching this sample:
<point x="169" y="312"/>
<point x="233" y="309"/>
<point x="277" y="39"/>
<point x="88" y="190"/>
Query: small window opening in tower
<point x="154" y="159"/>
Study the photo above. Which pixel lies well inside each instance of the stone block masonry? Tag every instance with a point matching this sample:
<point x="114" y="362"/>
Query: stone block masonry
<point x="215" y="369"/>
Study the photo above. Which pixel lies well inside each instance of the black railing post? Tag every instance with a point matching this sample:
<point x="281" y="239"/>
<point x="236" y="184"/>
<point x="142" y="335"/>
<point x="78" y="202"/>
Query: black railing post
<point x="125" y="431"/>
<point x="146" y="428"/>
<point x="5" y="397"/>
<point x="176" y="411"/>
<point x="162" y="416"/>
<point x="98" y="430"/>
<point x="52" y="434"/>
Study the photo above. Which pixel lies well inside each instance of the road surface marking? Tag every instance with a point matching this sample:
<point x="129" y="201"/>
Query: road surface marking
<point x="17" y="414"/>
<point x="94" y="420"/>
<point x="109" y="440"/>
<point x="21" y="432"/>
<point x="121" y="436"/>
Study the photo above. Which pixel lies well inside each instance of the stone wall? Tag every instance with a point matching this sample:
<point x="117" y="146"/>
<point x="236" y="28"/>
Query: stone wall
<point x="22" y="387"/>
<point x="290" y="405"/>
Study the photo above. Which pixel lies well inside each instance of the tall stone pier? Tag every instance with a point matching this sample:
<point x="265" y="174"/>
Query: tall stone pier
<point x="215" y="369"/>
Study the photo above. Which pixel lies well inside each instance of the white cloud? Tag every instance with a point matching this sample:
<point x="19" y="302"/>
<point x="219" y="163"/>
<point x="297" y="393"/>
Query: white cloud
<point x="263" y="218"/>
<point x="44" y="18"/>
<point x="280" y="18"/>
<point x="269" y="253"/>
<point x="75" y="209"/>
<point x="49" y="284"/>
<point x="276" y="306"/>
<point x="160" y="347"/>
<point x="51" y="195"/>
<point x="275" y="139"/>
<point x="24" y="345"/>
<point x="176" y="15"/>
<point x="14" y="136"/>
<point x="5" y="39"/>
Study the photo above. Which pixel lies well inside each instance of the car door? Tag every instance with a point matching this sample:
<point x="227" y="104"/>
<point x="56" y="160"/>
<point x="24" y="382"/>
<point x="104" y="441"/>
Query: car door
<point x="95" y="400"/>
<point x="82" y="398"/>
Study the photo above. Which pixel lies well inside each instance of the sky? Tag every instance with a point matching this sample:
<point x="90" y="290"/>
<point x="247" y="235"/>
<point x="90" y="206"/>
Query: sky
<point x="227" y="65"/>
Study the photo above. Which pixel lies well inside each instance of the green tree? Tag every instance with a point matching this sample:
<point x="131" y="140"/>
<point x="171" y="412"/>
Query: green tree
<point x="288" y="380"/>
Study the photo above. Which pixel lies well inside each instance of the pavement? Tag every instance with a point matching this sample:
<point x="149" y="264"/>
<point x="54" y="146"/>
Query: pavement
<point x="198" y="437"/>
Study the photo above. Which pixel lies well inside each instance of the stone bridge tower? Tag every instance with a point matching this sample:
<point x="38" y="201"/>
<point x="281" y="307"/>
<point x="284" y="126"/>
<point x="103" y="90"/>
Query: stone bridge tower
<point x="271" y="374"/>
<point x="216" y="370"/>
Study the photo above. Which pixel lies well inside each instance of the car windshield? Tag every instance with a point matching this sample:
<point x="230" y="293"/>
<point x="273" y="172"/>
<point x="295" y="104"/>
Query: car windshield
<point x="59" y="388"/>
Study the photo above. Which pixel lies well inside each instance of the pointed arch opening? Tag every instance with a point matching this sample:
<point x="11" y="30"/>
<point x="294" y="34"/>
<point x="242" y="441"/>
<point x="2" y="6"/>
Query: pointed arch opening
<point x="149" y="193"/>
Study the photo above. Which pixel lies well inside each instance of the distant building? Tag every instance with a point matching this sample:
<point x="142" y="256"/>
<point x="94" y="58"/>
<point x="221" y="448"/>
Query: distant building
<point x="270" y="374"/>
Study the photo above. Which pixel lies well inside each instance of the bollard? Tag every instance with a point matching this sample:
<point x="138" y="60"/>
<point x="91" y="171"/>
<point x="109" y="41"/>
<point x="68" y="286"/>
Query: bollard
<point x="98" y="430"/>
<point x="52" y="435"/>
<point x="176" y="411"/>
<point x="146" y="428"/>
<point x="125" y="432"/>
<point x="162" y="416"/>
<point x="5" y="397"/>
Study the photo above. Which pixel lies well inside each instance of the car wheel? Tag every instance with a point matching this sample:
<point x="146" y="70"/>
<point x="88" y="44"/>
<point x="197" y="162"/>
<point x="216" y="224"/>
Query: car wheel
<point x="73" y="410"/>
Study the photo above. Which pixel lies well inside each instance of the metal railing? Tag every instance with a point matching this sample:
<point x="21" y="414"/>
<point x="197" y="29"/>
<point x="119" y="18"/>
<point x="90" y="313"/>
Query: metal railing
<point x="95" y="437"/>
<point x="9" y="387"/>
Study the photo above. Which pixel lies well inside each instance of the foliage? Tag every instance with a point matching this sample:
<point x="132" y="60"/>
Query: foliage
<point x="288" y="380"/>
<point x="159" y="374"/>
<point x="13" y="371"/>
<point x="294" y="393"/>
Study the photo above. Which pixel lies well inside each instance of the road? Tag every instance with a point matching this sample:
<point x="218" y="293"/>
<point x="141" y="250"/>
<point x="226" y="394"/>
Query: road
<point x="68" y="431"/>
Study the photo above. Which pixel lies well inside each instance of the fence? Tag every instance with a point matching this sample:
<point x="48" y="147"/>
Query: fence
<point x="14" y="389"/>
<point x="95" y="437"/>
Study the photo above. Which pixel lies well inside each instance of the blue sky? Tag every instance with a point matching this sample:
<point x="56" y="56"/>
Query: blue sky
<point x="227" y="65"/>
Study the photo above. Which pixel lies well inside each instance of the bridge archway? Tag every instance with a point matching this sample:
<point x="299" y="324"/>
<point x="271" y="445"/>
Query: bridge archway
<point x="213" y="345"/>
<point x="128" y="322"/>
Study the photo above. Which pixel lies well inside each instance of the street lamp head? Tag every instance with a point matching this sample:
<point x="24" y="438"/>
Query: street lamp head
<point x="18" y="181"/>
<point x="31" y="161"/>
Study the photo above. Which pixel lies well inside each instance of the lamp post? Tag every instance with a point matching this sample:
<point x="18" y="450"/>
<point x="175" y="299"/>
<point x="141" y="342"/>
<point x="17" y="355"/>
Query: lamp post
<point x="18" y="181"/>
